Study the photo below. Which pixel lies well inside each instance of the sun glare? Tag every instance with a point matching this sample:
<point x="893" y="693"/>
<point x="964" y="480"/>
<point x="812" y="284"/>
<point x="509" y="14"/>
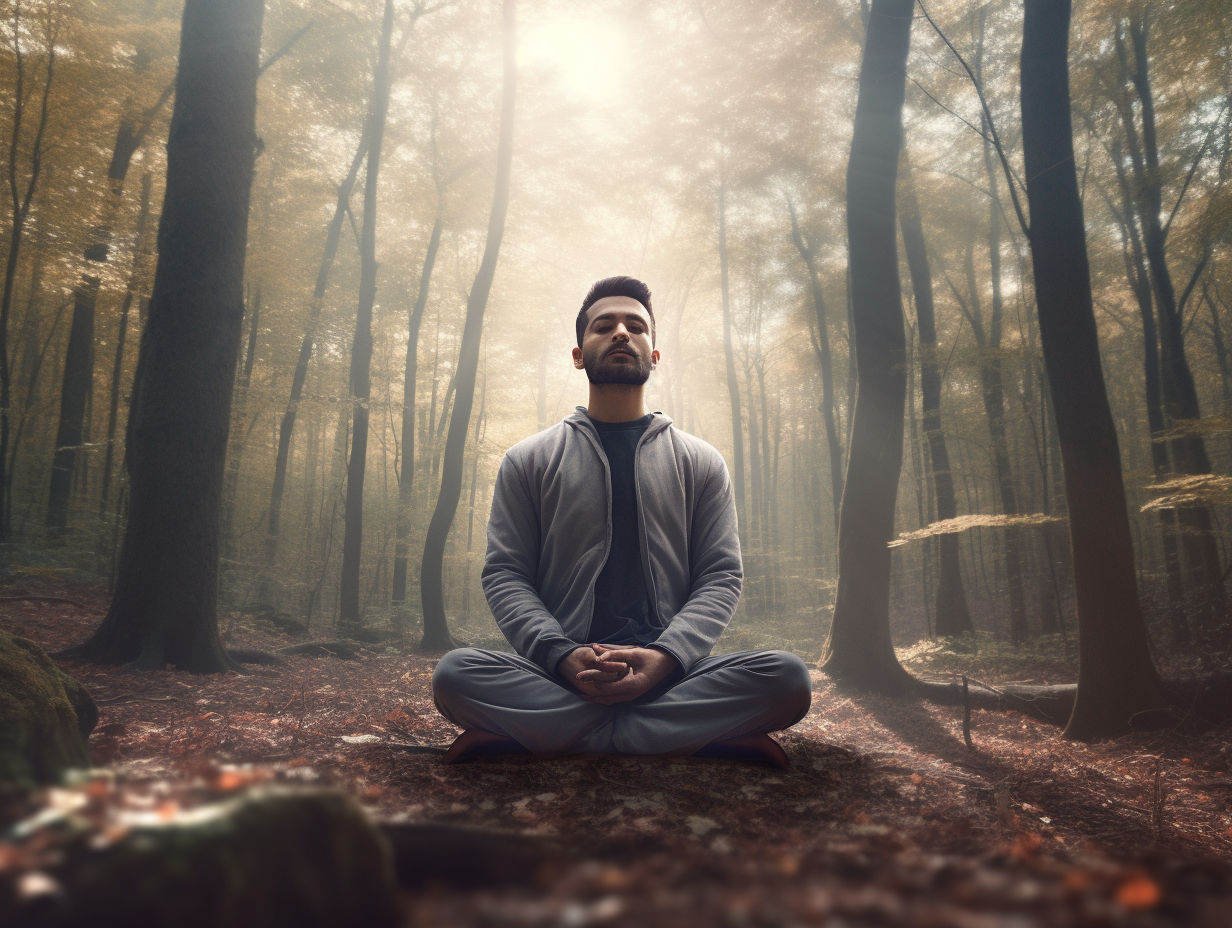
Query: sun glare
<point x="587" y="54"/>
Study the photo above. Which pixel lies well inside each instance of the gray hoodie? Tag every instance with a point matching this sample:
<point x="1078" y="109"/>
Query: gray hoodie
<point x="551" y="528"/>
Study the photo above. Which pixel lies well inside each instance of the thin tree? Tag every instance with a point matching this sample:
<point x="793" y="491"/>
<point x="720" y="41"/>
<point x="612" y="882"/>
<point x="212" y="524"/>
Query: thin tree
<point x="361" y="347"/>
<point x="21" y="196"/>
<point x="77" y="383"/>
<point x="733" y="383"/>
<point x="1117" y="680"/>
<point x="807" y="252"/>
<point x="859" y="650"/>
<point x="431" y="578"/>
<point x="953" y="617"/>
<point x="286" y="428"/>
<point x="1180" y="396"/>
<point x="164" y="607"/>
<point x="117" y="370"/>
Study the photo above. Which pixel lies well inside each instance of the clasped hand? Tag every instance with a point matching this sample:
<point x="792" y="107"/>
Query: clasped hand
<point x="608" y="674"/>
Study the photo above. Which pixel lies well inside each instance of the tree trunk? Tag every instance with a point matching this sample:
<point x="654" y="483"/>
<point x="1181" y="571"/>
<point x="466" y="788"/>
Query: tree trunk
<point x="826" y="362"/>
<point x="952" y="614"/>
<point x="361" y="349"/>
<point x="1180" y="396"/>
<point x="1117" y="679"/>
<point x="163" y="610"/>
<point x="77" y="386"/>
<point x="1140" y="283"/>
<point x="406" y="478"/>
<point x="19" y="202"/>
<point x="431" y="576"/>
<point x="733" y="385"/>
<point x="117" y="369"/>
<point x="286" y="428"/>
<point x="859" y="651"/>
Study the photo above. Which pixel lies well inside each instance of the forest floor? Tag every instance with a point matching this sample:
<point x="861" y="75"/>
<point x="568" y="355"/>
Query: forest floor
<point x="885" y="817"/>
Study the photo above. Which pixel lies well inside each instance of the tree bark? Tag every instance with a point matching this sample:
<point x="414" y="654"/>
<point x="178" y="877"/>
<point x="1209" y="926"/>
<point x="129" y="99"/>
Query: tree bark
<point x="431" y="575"/>
<point x="164" y="607"/>
<point x="1117" y="679"/>
<point x="361" y="348"/>
<point x="859" y="651"/>
<point x="952" y="614"/>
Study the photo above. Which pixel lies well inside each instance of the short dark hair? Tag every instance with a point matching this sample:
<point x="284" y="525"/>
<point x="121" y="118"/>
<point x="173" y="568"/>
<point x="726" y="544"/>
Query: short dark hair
<point x="615" y="286"/>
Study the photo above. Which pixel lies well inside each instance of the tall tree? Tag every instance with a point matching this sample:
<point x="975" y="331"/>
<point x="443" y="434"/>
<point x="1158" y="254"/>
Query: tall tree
<point x="952" y="614"/>
<point x="21" y="195"/>
<point x="406" y="476"/>
<point x="859" y="650"/>
<point x="1117" y="679"/>
<point x="164" y="607"/>
<point x="117" y="369"/>
<point x="431" y="576"/>
<point x="361" y="346"/>
<point x="1179" y="392"/>
<point x="77" y="385"/>
<point x="286" y="428"/>
<point x="733" y="384"/>
<point x="824" y="359"/>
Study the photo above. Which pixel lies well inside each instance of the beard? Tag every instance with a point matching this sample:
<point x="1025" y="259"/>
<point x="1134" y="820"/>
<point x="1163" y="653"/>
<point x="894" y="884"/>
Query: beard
<point x="606" y="367"/>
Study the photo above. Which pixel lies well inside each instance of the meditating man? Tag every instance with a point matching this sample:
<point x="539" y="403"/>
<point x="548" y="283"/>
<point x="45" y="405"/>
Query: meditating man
<point x="613" y="566"/>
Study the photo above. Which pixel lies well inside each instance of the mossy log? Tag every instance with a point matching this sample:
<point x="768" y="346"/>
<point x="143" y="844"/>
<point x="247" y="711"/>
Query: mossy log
<point x="302" y="858"/>
<point x="45" y="716"/>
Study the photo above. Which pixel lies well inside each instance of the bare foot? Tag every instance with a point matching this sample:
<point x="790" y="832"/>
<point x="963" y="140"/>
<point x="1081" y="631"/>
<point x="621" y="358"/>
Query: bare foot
<point x="475" y="742"/>
<point x="761" y="748"/>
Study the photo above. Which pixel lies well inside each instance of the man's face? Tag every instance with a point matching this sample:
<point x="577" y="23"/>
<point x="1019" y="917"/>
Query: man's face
<point x="616" y="345"/>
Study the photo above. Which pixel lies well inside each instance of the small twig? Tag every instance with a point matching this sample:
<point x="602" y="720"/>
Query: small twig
<point x="966" y="714"/>
<point x="133" y="697"/>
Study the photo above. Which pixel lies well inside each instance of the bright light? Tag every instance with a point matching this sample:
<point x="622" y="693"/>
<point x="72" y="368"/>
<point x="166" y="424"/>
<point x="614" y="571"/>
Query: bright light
<point x="587" y="54"/>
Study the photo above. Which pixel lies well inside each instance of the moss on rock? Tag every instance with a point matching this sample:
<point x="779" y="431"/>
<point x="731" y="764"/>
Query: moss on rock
<point x="45" y="716"/>
<point x="302" y="857"/>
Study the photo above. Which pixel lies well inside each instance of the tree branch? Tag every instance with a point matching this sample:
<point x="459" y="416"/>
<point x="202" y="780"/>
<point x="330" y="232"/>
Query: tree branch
<point x="1010" y="179"/>
<point x="286" y="47"/>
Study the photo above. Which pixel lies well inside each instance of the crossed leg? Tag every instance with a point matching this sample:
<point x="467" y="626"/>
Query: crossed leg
<point x="720" y="699"/>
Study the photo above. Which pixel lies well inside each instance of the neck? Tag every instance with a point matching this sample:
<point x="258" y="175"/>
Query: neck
<point x="616" y="402"/>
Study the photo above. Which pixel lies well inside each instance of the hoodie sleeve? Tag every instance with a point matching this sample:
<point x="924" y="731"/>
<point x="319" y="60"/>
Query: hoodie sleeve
<point x="716" y="572"/>
<point x="511" y="568"/>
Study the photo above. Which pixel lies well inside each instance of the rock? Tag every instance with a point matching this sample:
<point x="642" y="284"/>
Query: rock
<point x="302" y="858"/>
<point x="45" y="716"/>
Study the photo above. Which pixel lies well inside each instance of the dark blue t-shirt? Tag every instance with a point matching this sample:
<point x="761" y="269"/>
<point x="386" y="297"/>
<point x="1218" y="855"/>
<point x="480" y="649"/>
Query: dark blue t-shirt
<point x="623" y="611"/>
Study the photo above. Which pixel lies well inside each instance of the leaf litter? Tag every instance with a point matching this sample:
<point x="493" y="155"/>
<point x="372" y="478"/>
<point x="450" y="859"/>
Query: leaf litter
<point x="884" y="818"/>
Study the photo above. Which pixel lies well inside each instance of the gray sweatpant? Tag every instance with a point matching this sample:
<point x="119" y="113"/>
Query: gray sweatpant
<point x="720" y="698"/>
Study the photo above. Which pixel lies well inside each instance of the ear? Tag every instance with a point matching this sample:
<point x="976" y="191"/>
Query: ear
<point x="577" y="358"/>
<point x="654" y="357"/>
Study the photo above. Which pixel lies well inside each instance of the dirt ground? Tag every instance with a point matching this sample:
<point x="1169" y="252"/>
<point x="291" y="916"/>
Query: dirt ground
<point x="884" y="818"/>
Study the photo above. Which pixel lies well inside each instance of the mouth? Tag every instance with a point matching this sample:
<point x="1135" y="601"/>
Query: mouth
<point x="617" y="351"/>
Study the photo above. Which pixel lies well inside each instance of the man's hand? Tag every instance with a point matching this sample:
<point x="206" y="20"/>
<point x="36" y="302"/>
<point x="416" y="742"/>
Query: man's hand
<point x="587" y="659"/>
<point x="648" y="667"/>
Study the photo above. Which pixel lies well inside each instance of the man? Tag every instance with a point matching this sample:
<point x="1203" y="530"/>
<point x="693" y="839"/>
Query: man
<point x="613" y="566"/>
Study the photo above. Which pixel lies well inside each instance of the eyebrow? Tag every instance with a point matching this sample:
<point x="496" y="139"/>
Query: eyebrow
<point x="613" y="315"/>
